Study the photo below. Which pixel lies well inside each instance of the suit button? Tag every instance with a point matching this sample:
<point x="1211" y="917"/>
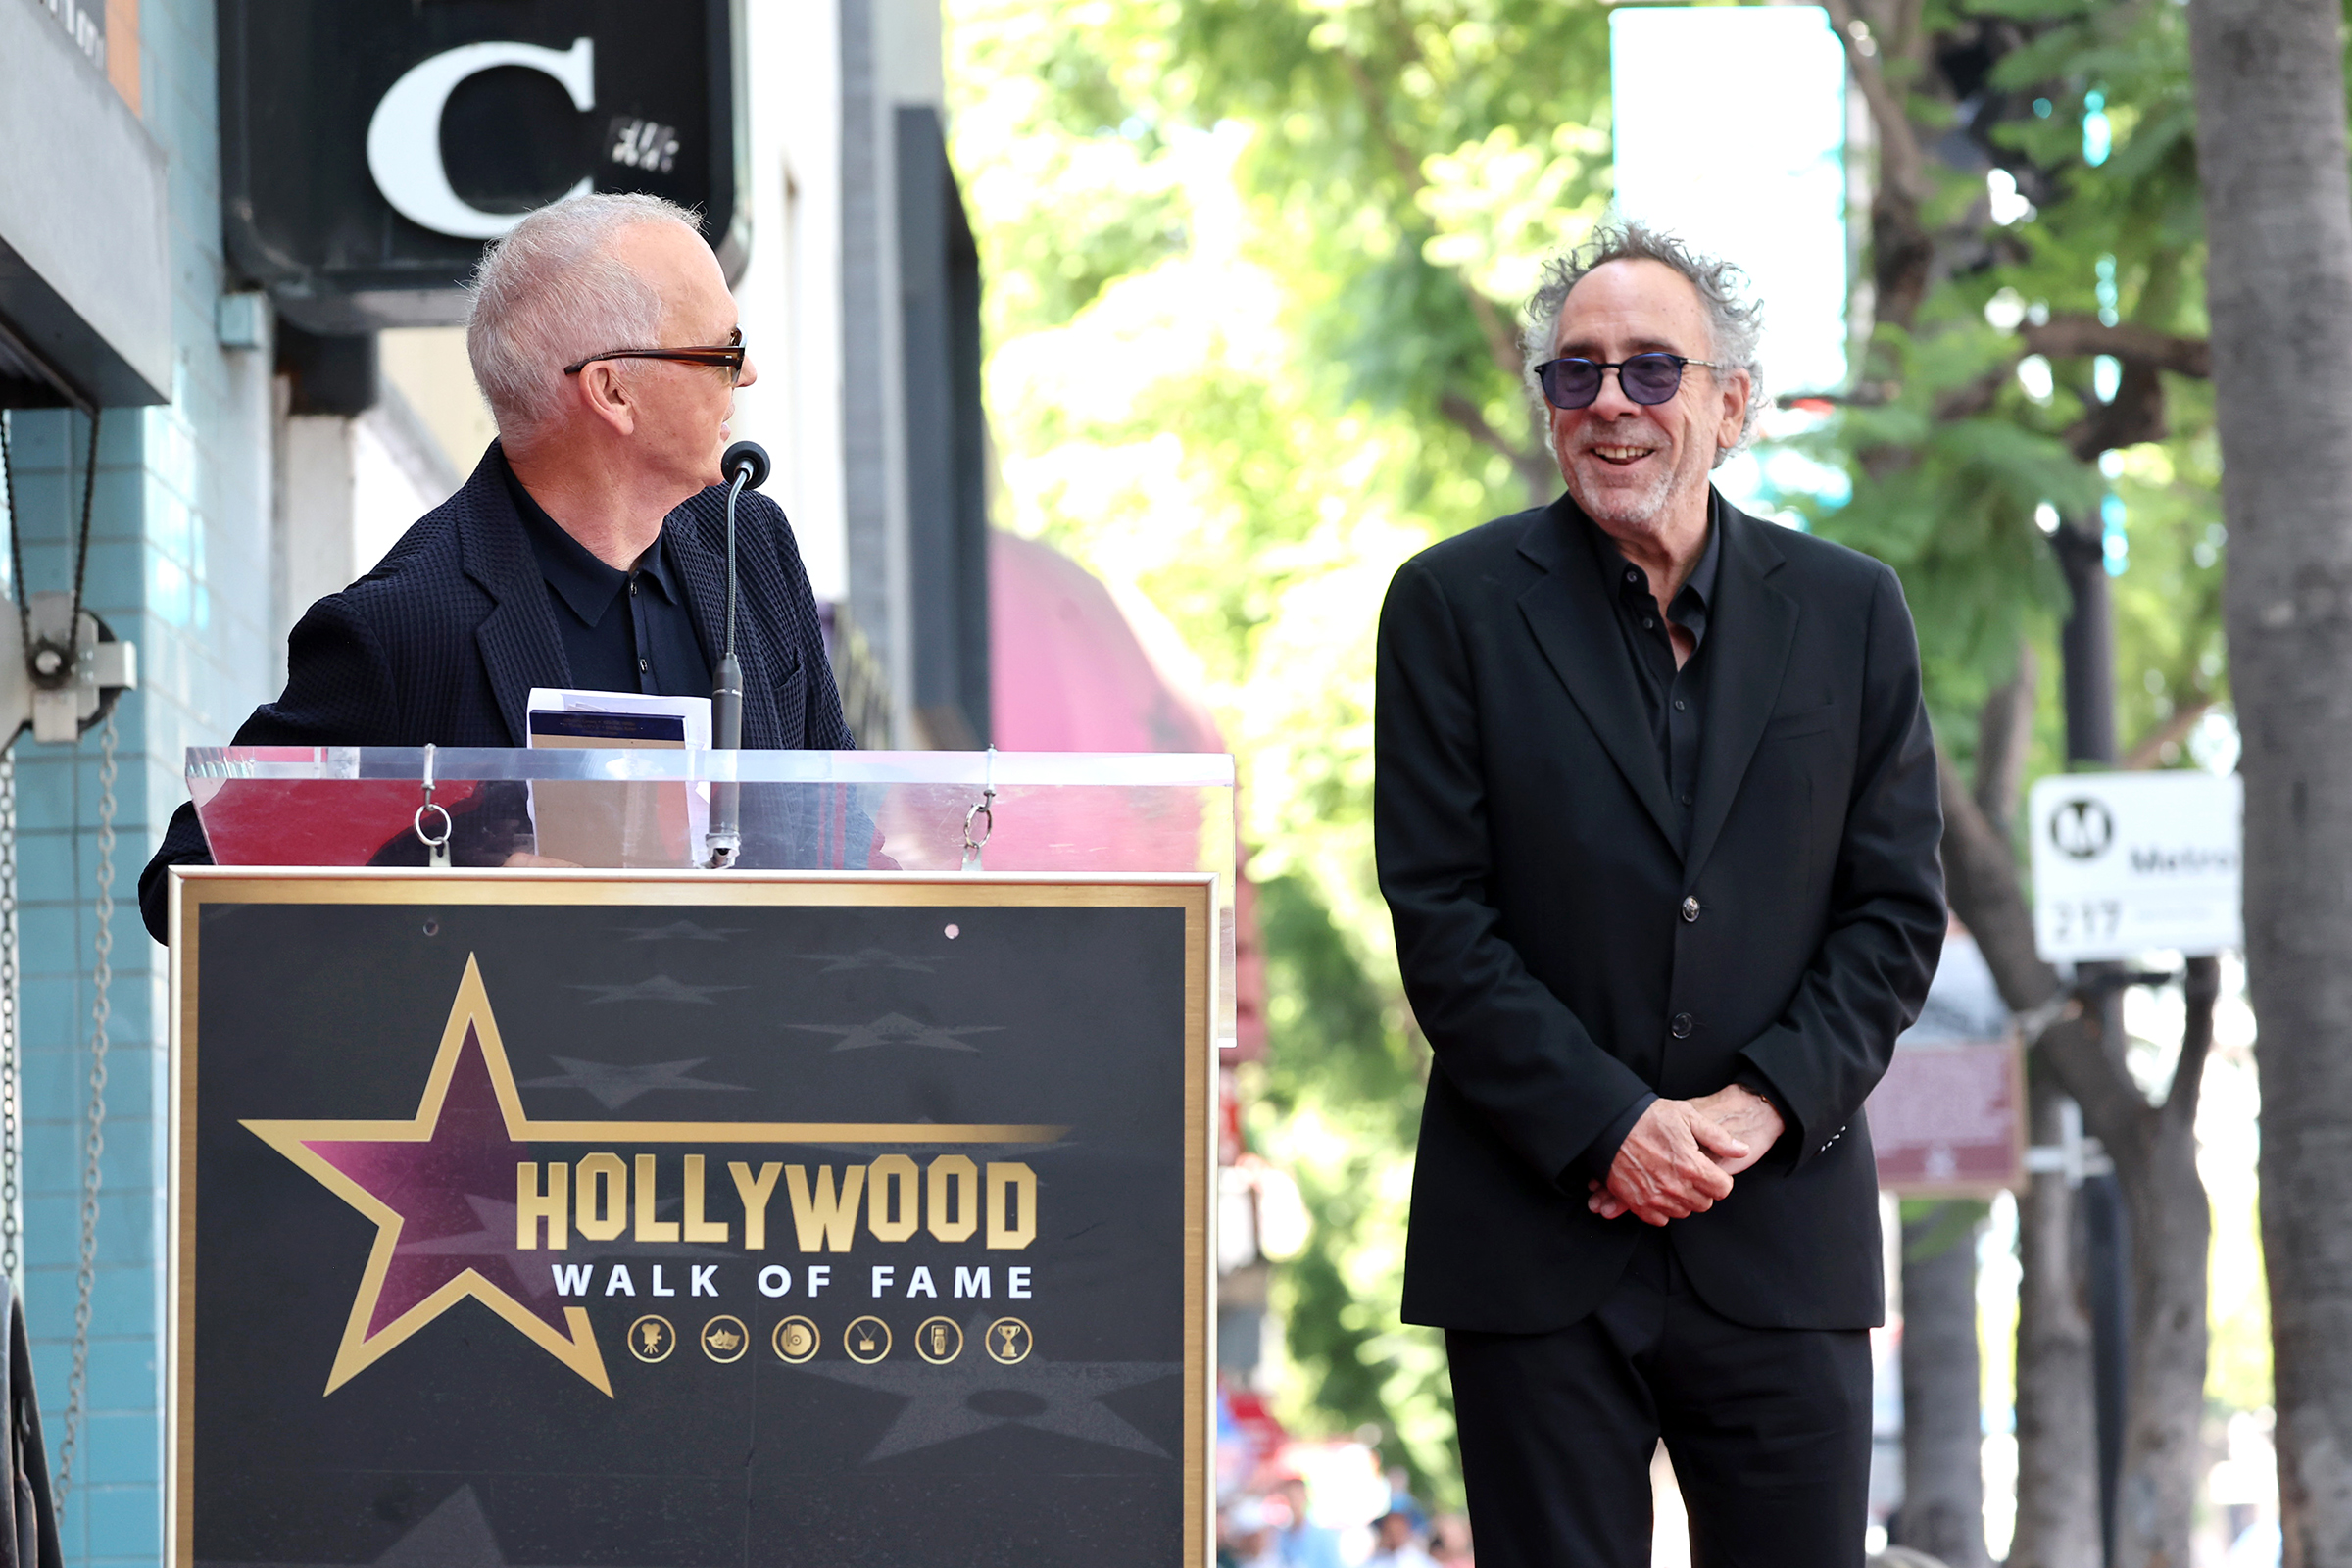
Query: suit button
<point x="1690" y="907"/>
<point x="1682" y="1026"/>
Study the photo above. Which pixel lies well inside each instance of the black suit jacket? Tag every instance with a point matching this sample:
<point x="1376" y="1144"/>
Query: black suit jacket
<point x="1523" y="832"/>
<point x="442" y="643"/>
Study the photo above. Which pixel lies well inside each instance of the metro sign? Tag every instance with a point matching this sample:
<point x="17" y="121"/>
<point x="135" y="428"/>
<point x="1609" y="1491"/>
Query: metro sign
<point x="370" y="150"/>
<point x="2123" y="863"/>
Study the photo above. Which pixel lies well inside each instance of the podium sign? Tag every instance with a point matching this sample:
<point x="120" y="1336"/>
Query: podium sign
<point x="662" y="1220"/>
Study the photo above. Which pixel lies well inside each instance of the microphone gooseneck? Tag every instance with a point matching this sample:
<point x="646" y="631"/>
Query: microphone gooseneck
<point x="746" y="467"/>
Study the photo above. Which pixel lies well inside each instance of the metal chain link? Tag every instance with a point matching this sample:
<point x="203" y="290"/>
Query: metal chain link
<point x="78" y="1384"/>
<point x="82" y="554"/>
<point x="16" y="539"/>
<point x="12" y="1217"/>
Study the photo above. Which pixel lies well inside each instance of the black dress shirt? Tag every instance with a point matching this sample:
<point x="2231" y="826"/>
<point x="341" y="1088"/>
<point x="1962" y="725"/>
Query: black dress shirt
<point x="622" y="631"/>
<point x="1675" y="699"/>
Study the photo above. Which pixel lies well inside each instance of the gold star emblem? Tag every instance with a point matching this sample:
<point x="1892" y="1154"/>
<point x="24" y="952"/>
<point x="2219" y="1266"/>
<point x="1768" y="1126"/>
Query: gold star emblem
<point x="397" y="1171"/>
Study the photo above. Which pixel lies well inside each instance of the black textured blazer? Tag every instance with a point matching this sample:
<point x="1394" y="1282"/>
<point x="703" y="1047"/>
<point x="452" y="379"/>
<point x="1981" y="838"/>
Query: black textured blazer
<point x="1526" y="849"/>
<point x="442" y="643"/>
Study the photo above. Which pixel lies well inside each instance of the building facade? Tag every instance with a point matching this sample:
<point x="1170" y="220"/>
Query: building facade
<point x="264" y="428"/>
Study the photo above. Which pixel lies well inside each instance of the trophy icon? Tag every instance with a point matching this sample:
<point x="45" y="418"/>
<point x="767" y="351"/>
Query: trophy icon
<point x="938" y="1341"/>
<point x="867" y="1339"/>
<point x="1009" y="1340"/>
<point x="652" y="1339"/>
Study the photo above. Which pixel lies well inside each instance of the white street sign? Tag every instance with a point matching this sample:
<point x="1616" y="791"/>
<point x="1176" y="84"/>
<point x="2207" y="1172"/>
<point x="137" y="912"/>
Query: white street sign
<point x="2123" y="863"/>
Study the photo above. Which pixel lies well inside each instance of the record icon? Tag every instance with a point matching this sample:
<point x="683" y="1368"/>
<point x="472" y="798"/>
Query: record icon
<point x="794" y="1339"/>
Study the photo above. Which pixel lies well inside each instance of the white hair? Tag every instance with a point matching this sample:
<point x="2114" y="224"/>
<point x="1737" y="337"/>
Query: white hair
<point x="552" y="293"/>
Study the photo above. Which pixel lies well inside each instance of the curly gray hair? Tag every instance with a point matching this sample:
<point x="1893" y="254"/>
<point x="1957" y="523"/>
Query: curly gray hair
<point x="1734" y="320"/>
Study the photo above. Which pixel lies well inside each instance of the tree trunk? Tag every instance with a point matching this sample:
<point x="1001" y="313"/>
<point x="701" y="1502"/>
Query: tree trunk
<point x="2172" y="1234"/>
<point x="2057" y="1441"/>
<point x="1944" y="1400"/>
<point x="2269" y="103"/>
<point x="2155" y="1160"/>
<point x="2057" y="1436"/>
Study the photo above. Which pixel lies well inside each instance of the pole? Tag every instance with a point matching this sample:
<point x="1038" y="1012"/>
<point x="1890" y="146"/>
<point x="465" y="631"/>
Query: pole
<point x="2087" y="644"/>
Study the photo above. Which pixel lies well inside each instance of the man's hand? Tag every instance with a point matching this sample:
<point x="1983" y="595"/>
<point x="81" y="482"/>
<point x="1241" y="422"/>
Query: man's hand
<point x="1672" y="1166"/>
<point x="1747" y="1116"/>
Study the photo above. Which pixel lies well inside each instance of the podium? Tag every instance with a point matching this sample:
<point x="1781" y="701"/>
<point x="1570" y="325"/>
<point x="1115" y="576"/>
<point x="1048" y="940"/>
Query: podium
<point x="850" y="1205"/>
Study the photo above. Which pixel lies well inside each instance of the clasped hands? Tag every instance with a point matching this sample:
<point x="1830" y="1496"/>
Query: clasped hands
<point x="1681" y="1156"/>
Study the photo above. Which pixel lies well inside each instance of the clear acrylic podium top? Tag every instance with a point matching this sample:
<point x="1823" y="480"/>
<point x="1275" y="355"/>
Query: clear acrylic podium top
<point x="906" y="811"/>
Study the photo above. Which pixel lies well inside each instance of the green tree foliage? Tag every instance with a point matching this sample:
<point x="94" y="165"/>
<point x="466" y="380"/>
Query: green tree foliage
<point x="1983" y="413"/>
<point x="1341" y="1093"/>
<point x="1253" y="272"/>
<point x="1254" y="279"/>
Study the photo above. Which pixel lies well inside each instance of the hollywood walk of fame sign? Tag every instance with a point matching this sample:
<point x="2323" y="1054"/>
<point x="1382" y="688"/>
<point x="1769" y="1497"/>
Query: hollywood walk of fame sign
<point x="896" y="1256"/>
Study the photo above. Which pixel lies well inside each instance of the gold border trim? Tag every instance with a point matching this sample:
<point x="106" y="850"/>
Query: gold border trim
<point x="192" y="887"/>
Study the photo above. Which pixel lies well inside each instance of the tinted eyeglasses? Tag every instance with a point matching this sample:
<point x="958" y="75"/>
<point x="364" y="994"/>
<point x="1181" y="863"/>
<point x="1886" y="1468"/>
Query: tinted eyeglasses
<point x="1647" y="378"/>
<point x="728" y="356"/>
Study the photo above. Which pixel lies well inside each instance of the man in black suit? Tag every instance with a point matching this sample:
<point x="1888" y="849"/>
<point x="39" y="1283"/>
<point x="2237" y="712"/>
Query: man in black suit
<point x="589" y="548"/>
<point x="1656" y="819"/>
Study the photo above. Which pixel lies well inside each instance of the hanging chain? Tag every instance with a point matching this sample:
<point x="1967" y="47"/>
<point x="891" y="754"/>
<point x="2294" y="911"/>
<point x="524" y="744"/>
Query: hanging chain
<point x="12" y="1218"/>
<point x="12" y="1157"/>
<point x="78" y="1384"/>
<point x="82" y="554"/>
<point x="16" y="538"/>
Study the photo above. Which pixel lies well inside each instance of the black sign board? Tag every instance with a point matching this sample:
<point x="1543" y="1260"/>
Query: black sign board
<point x="663" y="1222"/>
<point x="369" y="150"/>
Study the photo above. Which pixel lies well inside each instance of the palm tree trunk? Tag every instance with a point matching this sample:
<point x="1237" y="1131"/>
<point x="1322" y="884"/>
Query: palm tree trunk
<point x="2270" y="156"/>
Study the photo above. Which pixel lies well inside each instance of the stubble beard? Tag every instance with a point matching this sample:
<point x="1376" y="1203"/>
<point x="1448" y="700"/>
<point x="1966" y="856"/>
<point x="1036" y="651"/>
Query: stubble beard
<point x="1621" y="509"/>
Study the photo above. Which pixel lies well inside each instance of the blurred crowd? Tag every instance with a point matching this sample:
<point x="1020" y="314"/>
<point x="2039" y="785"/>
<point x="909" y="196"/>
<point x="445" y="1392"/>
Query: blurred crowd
<point x="1273" y="1524"/>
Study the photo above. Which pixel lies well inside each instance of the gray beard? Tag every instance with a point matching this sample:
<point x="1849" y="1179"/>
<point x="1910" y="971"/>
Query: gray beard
<point x="1639" y="510"/>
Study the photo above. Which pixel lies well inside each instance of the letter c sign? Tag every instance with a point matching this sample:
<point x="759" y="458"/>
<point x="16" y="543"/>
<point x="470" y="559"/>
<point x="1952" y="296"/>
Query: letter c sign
<point x="404" y="138"/>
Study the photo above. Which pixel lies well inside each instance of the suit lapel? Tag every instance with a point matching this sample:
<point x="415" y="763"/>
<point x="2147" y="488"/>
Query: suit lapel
<point x="517" y="639"/>
<point x="1749" y="633"/>
<point x="704" y="573"/>
<point x="1568" y="610"/>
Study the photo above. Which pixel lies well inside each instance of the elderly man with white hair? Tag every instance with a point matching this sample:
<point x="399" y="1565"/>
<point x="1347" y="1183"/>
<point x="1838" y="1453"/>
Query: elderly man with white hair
<point x="589" y="547"/>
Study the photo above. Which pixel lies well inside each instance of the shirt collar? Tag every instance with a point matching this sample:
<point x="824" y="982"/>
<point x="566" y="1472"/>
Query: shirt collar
<point x="583" y="581"/>
<point x="1703" y="576"/>
<point x="1701" y="581"/>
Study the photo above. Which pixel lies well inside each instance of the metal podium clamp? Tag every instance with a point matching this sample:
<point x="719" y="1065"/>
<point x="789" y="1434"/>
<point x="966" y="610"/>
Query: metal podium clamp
<point x="436" y="848"/>
<point x="984" y="809"/>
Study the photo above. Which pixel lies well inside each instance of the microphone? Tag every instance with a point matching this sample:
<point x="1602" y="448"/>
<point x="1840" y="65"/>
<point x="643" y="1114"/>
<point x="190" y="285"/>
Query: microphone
<point x="746" y="453"/>
<point x="746" y="467"/>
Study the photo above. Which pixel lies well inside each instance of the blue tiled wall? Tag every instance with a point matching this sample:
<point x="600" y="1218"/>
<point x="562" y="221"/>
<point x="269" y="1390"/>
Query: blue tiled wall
<point x="180" y="563"/>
